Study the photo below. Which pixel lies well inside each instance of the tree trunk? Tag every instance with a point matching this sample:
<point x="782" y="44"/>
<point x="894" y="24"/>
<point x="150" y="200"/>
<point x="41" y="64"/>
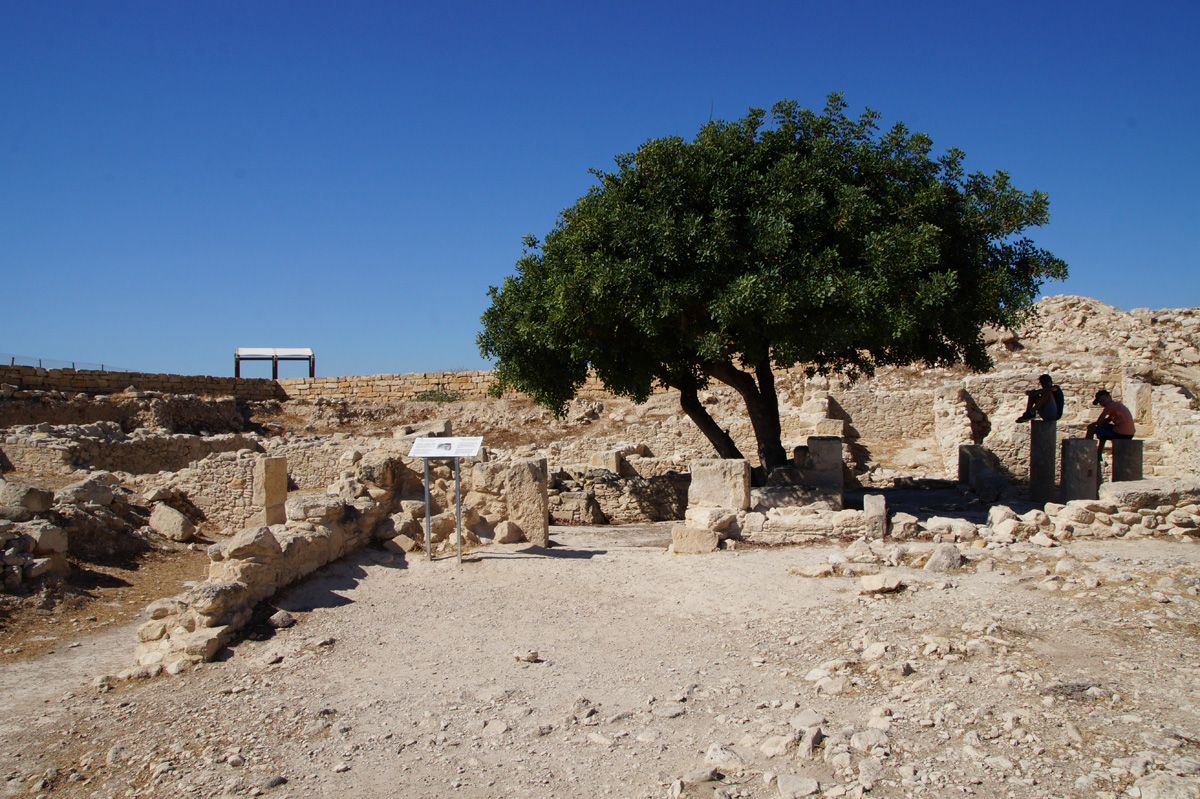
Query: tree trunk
<point x="720" y="439"/>
<point x="762" y="405"/>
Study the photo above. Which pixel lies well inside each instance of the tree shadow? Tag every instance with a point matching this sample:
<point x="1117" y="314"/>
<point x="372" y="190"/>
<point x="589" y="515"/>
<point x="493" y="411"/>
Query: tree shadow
<point x="534" y="552"/>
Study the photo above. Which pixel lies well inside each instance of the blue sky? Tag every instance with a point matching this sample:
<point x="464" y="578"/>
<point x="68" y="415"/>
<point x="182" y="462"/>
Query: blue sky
<point x="178" y="179"/>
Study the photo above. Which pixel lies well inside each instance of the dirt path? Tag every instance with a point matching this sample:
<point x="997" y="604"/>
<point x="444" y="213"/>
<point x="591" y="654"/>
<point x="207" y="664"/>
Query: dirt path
<point x="401" y="679"/>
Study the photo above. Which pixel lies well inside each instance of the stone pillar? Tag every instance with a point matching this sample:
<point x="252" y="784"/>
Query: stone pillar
<point x="270" y="489"/>
<point x="1042" y="450"/>
<point x="875" y="511"/>
<point x="1126" y="459"/>
<point x="1080" y="469"/>
<point x="820" y="462"/>
<point x="966" y="454"/>
<point x="528" y="502"/>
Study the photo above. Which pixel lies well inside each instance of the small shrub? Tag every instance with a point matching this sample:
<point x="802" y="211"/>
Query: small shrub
<point x="439" y="394"/>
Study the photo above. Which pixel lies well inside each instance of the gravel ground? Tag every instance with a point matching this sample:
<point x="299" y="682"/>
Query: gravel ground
<point x="1071" y="672"/>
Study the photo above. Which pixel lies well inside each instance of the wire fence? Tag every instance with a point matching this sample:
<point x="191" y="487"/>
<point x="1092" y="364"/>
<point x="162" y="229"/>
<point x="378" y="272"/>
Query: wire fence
<point x="9" y="359"/>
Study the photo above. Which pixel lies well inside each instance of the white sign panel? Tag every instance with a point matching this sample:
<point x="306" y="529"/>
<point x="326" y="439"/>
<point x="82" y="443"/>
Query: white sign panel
<point x="446" y="447"/>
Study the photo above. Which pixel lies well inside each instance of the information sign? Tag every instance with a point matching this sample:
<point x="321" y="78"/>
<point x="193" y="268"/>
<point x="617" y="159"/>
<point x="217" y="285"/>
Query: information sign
<point x="467" y="447"/>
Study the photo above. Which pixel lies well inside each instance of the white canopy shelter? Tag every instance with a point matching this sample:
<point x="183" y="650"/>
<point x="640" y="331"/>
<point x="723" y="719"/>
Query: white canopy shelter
<point x="274" y="355"/>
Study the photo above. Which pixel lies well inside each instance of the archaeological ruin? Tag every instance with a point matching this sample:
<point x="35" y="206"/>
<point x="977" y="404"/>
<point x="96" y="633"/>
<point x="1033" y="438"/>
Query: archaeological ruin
<point x="279" y="477"/>
<point x="225" y="582"/>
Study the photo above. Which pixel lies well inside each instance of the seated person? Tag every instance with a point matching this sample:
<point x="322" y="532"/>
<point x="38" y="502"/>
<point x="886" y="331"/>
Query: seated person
<point x="1046" y="402"/>
<point x="1115" y="421"/>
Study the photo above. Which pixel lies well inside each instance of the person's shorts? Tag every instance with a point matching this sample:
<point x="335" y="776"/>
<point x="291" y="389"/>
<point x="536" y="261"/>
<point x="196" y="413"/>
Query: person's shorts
<point x="1105" y="432"/>
<point x="1049" y="411"/>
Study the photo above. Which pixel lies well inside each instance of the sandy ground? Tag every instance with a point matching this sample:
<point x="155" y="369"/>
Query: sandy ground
<point x="655" y="676"/>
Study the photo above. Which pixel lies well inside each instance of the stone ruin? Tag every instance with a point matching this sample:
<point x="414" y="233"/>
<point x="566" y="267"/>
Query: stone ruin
<point x="285" y="476"/>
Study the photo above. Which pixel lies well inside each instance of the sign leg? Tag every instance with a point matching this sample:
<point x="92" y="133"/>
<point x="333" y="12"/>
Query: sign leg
<point x="428" y="532"/>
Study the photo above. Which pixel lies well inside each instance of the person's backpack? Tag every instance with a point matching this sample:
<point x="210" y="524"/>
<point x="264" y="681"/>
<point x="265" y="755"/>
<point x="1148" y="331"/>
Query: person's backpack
<point x="1058" y="400"/>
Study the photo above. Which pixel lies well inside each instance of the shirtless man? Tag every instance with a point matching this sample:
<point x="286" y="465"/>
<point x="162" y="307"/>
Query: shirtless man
<point x="1115" y="421"/>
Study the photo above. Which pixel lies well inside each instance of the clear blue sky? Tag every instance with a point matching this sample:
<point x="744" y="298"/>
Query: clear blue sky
<point x="177" y="179"/>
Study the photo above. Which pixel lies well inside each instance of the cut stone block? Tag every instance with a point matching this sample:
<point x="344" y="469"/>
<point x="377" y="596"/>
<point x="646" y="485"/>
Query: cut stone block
<point x="1127" y="459"/>
<point x="270" y="489"/>
<point x="693" y="541"/>
<point x="1042" y="450"/>
<point x="1080" y="469"/>
<point x="720" y="483"/>
<point x="875" y="515"/>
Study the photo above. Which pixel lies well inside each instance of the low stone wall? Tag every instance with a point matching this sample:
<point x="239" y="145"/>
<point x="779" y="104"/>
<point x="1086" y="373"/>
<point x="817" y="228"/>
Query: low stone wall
<point x="315" y="462"/>
<point x="220" y="486"/>
<point x="71" y="381"/>
<point x="103" y="446"/>
<point x="471" y="385"/>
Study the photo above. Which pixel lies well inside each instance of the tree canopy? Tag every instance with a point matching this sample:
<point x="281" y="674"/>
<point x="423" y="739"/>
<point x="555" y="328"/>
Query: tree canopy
<point x="810" y="240"/>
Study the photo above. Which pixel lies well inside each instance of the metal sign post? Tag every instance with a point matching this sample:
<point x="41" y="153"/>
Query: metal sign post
<point x="445" y="449"/>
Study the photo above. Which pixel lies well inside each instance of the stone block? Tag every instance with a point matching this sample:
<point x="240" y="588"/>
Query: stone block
<point x="795" y="496"/>
<point x="171" y="524"/>
<point x="819" y="462"/>
<point x="688" y="540"/>
<point x="720" y="483"/>
<point x="1042" y="451"/>
<point x="945" y="557"/>
<point x="19" y="495"/>
<point x="1080" y="469"/>
<point x="875" y="515"/>
<point x="715" y="519"/>
<point x="966" y="454"/>
<point x="270" y="481"/>
<point x="1127" y="455"/>
<point x="507" y="533"/>
<point x="317" y="508"/>
<point x="528" y="502"/>
<point x="90" y="491"/>
<point x="47" y="539"/>
<point x="610" y="460"/>
<point x="253" y="543"/>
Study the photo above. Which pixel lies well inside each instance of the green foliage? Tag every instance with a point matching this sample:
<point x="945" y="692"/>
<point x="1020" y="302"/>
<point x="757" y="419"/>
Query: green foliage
<point x="439" y="394"/>
<point x="813" y="240"/>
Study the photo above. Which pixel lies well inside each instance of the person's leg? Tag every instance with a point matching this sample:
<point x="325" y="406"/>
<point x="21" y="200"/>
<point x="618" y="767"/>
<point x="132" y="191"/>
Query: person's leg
<point x="1047" y="408"/>
<point x="1105" y="433"/>
<point x="1032" y="397"/>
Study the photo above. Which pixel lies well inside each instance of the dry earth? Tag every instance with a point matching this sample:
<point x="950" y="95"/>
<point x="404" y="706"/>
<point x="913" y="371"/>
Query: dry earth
<point x="1064" y="672"/>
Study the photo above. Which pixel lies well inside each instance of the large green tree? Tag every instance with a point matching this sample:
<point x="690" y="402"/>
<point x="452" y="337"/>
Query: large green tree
<point x="812" y="240"/>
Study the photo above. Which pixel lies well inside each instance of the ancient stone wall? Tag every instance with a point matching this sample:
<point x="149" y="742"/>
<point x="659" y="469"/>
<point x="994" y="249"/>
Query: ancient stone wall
<point x="1177" y="427"/>
<point x="221" y="486"/>
<point x="103" y="446"/>
<point x="71" y="381"/>
<point x="470" y="385"/>
<point x="315" y="462"/>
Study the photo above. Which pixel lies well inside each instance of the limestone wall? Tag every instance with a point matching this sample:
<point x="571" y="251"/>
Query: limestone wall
<point x="221" y="486"/>
<point x="71" y="381"/>
<point x="103" y="446"/>
<point x="315" y="462"/>
<point x="1177" y="425"/>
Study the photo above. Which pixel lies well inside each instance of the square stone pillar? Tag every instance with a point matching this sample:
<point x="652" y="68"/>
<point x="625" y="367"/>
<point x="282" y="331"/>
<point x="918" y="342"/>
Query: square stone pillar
<point x="819" y="463"/>
<point x="270" y="489"/>
<point x="1042" y="450"/>
<point x="1080" y="469"/>
<point x="876" y="516"/>
<point x="1126" y="459"/>
<point x="966" y="454"/>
